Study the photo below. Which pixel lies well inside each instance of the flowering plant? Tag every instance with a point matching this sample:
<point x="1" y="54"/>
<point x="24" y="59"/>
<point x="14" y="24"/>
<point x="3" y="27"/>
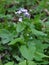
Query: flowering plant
<point x="24" y="32"/>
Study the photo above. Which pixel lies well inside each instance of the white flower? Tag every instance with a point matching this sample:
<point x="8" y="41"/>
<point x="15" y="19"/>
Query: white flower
<point x="20" y="19"/>
<point x="27" y="34"/>
<point x="23" y="10"/>
<point x="18" y="12"/>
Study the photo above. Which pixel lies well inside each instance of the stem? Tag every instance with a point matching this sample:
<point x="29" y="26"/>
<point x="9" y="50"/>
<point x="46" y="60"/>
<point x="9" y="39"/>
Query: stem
<point x="26" y="62"/>
<point x="0" y="60"/>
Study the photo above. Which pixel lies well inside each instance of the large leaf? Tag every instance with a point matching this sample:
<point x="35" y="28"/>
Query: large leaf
<point x="28" y="52"/>
<point x="5" y="35"/>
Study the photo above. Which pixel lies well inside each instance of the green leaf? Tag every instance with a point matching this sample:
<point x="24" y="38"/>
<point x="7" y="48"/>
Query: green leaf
<point x="22" y="63"/>
<point x="38" y="33"/>
<point x="10" y="63"/>
<point x="20" y="27"/>
<point x="14" y="41"/>
<point x="27" y="62"/>
<point x="38" y="56"/>
<point x="28" y="52"/>
<point x="5" y="35"/>
<point x="31" y="63"/>
<point x="42" y="55"/>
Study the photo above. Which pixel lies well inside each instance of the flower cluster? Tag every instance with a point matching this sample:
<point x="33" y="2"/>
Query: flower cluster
<point x="24" y="12"/>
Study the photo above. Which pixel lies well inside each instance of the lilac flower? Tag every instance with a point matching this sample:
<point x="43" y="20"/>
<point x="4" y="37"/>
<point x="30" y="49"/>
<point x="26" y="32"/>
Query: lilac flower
<point x="24" y="12"/>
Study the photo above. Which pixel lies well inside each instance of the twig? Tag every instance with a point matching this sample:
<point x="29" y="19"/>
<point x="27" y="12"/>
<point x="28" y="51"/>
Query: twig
<point x="44" y="20"/>
<point x="46" y="10"/>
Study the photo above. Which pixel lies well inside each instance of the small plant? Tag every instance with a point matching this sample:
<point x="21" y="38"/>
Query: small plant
<point x="25" y="41"/>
